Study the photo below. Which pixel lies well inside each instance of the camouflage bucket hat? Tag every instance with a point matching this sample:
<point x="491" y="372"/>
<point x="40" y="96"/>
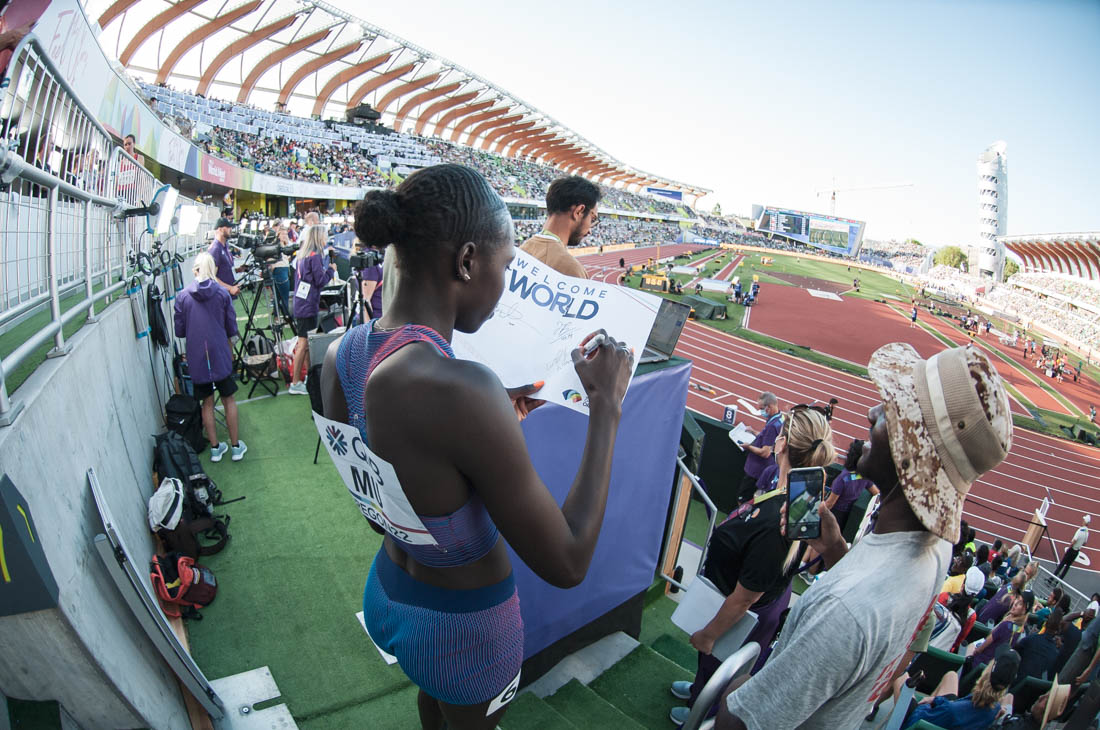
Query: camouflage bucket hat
<point x="949" y="422"/>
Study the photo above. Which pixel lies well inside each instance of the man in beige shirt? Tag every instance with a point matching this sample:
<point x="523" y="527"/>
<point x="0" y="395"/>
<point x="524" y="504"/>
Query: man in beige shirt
<point x="570" y="214"/>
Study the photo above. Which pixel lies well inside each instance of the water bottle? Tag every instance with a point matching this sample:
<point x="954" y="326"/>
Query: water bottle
<point x="137" y="308"/>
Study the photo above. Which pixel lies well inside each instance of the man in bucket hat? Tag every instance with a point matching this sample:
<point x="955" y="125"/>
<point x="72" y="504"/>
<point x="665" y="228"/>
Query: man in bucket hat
<point x="941" y="424"/>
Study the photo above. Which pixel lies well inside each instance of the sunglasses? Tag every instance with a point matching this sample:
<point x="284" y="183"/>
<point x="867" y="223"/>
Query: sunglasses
<point x="827" y="412"/>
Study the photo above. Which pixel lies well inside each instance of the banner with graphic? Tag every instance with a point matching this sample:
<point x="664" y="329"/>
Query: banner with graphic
<point x="542" y="317"/>
<point x="670" y="194"/>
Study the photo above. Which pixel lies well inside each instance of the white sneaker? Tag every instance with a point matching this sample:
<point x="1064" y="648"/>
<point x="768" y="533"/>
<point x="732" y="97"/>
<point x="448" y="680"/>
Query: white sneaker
<point x="239" y="451"/>
<point x="297" y="389"/>
<point x="217" y="452"/>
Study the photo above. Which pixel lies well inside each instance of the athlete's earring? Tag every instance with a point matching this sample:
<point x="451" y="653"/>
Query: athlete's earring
<point x="465" y="277"/>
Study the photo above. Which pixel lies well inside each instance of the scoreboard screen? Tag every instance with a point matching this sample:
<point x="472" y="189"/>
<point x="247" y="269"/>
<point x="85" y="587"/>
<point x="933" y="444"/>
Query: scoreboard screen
<point x="837" y="235"/>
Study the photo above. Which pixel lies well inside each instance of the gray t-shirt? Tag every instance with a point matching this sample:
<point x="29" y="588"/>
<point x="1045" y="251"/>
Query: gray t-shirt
<point x="846" y="635"/>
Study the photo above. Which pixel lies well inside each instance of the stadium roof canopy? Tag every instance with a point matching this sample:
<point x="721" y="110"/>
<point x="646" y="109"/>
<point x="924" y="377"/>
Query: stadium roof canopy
<point x="1077" y="254"/>
<point x="310" y="58"/>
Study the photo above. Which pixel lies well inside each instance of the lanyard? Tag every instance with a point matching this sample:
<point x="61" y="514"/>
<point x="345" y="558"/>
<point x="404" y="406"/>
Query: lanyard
<point x="754" y="502"/>
<point x="548" y="234"/>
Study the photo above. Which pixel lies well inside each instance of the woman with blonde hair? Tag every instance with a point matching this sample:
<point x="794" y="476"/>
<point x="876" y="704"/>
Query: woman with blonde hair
<point x="312" y="277"/>
<point x="979" y="709"/>
<point x="205" y="317"/>
<point x="746" y="555"/>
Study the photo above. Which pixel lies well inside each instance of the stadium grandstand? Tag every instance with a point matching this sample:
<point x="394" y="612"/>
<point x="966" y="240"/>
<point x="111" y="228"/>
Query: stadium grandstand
<point x="205" y="208"/>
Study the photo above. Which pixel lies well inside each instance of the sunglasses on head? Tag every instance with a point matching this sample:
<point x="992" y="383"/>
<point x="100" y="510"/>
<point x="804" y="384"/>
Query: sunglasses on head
<point x="806" y="407"/>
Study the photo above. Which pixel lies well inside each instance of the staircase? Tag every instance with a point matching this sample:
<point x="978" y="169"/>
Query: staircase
<point x="630" y="695"/>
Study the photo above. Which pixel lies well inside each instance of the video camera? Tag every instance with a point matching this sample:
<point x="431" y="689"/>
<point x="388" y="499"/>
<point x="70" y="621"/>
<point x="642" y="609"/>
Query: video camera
<point x="365" y="259"/>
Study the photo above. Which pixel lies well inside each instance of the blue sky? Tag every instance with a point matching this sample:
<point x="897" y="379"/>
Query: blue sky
<point x="767" y="103"/>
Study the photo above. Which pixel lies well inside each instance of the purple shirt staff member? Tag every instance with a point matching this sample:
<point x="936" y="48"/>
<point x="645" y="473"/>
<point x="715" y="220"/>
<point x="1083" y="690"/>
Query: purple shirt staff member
<point x="223" y="260"/>
<point x="849" y="485"/>
<point x="312" y="276"/>
<point x="759" y="452"/>
<point x="205" y="316"/>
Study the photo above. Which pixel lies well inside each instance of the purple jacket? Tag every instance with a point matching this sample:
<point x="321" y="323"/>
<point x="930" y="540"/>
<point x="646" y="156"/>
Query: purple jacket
<point x="848" y="485"/>
<point x="754" y="465"/>
<point x="223" y="260"/>
<point x="314" y="271"/>
<point x="206" y="318"/>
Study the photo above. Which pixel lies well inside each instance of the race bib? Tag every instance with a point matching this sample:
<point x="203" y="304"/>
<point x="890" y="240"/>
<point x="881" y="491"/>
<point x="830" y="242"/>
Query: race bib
<point x="373" y="483"/>
<point x="302" y="292"/>
<point x="504" y="697"/>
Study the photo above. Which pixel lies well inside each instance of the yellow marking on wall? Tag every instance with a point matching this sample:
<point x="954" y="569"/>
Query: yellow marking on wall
<point x="3" y="560"/>
<point x="29" y="531"/>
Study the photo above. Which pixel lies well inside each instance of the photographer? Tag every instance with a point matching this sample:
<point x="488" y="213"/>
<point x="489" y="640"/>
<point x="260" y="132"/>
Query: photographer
<point x="370" y="281"/>
<point x="312" y="276"/>
<point x="280" y="273"/>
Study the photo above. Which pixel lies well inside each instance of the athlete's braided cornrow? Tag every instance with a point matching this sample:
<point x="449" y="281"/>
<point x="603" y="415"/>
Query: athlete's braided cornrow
<point x="435" y="209"/>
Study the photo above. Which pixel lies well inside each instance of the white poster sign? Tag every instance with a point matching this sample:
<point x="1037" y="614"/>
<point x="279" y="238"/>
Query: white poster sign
<point x="542" y="317"/>
<point x="372" y="482"/>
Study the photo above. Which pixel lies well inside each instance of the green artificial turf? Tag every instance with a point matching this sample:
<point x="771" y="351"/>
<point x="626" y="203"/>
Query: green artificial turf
<point x="528" y="712"/>
<point x="586" y="709"/>
<point x="677" y="649"/>
<point x="26" y="329"/>
<point x="638" y="685"/>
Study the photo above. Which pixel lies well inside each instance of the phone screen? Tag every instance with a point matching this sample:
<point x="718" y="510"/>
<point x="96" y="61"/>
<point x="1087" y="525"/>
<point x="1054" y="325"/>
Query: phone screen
<point x="805" y="489"/>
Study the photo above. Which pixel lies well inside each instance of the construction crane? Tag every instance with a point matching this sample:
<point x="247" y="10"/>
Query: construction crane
<point x="834" y="190"/>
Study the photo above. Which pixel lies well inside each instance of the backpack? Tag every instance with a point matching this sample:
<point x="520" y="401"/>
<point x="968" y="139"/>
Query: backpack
<point x="158" y="327"/>
<point x="175" y="461"/>
<point x="182" y="585"/>
<point x="171" y="516"/>
<point x="183" y="415"/>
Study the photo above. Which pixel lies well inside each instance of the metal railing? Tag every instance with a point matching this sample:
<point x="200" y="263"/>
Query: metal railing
<point x="64" y="185"/>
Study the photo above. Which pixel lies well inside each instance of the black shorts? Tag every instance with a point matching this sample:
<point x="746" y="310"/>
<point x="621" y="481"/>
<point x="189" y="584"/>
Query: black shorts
<point x="304" y="325"/>
<point x="226" y="387"/>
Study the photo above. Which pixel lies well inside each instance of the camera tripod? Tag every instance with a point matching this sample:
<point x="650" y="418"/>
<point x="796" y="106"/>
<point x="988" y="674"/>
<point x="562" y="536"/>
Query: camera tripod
<point x="261" y="366"/>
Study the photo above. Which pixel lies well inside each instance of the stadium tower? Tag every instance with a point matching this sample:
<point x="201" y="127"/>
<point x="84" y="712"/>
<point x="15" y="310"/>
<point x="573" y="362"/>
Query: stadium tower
<point x="988" y="257"/>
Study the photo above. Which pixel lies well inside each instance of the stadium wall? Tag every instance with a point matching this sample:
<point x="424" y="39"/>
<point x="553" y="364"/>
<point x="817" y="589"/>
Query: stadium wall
<point x="97" y="407"/>
<point x="70" y="40"/>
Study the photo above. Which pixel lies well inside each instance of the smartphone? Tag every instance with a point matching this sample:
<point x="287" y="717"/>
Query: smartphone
<point x="805" y="489"/>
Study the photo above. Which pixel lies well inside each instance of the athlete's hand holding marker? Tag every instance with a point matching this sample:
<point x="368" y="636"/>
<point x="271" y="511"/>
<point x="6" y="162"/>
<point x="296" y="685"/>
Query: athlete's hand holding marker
<point x="604" y="366"/>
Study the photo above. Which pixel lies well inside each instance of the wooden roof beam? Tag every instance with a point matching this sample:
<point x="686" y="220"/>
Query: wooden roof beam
<point x="200" y="34"/>
<point x="272" y="59"/>
<point x="237" y="48"/>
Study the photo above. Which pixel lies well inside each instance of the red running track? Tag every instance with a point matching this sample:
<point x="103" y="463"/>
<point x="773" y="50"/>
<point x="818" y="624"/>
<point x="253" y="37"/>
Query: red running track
<point x="849" y="328"/>
<point x="728" y="269"/>
<point x="1027" y="388"/>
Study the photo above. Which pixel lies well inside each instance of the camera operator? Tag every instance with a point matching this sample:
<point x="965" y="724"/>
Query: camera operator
<point x="312" y="276"/>
<point x="370" y="279"/>
<point x="280" y="272"/>
<point x="223" y="260"/>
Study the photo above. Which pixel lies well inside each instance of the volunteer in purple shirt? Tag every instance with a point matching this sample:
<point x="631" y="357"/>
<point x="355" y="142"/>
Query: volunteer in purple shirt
<point x="313" y="274"/>
<point x="759" y="453"/>
<point x="848" y="486"/>
<point x="223" y="260"/>
<point x="371" y="278"/>
<point x="205" y="317"/>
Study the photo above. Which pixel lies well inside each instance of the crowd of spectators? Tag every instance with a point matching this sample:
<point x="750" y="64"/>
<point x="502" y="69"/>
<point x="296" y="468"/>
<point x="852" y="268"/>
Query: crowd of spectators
<point x="305" y="149"/>
<point x="609" y="232"/>
<point x="898" y="255"/>
<point x="1055" y="315"/>
<point x="1080" y="292"/>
